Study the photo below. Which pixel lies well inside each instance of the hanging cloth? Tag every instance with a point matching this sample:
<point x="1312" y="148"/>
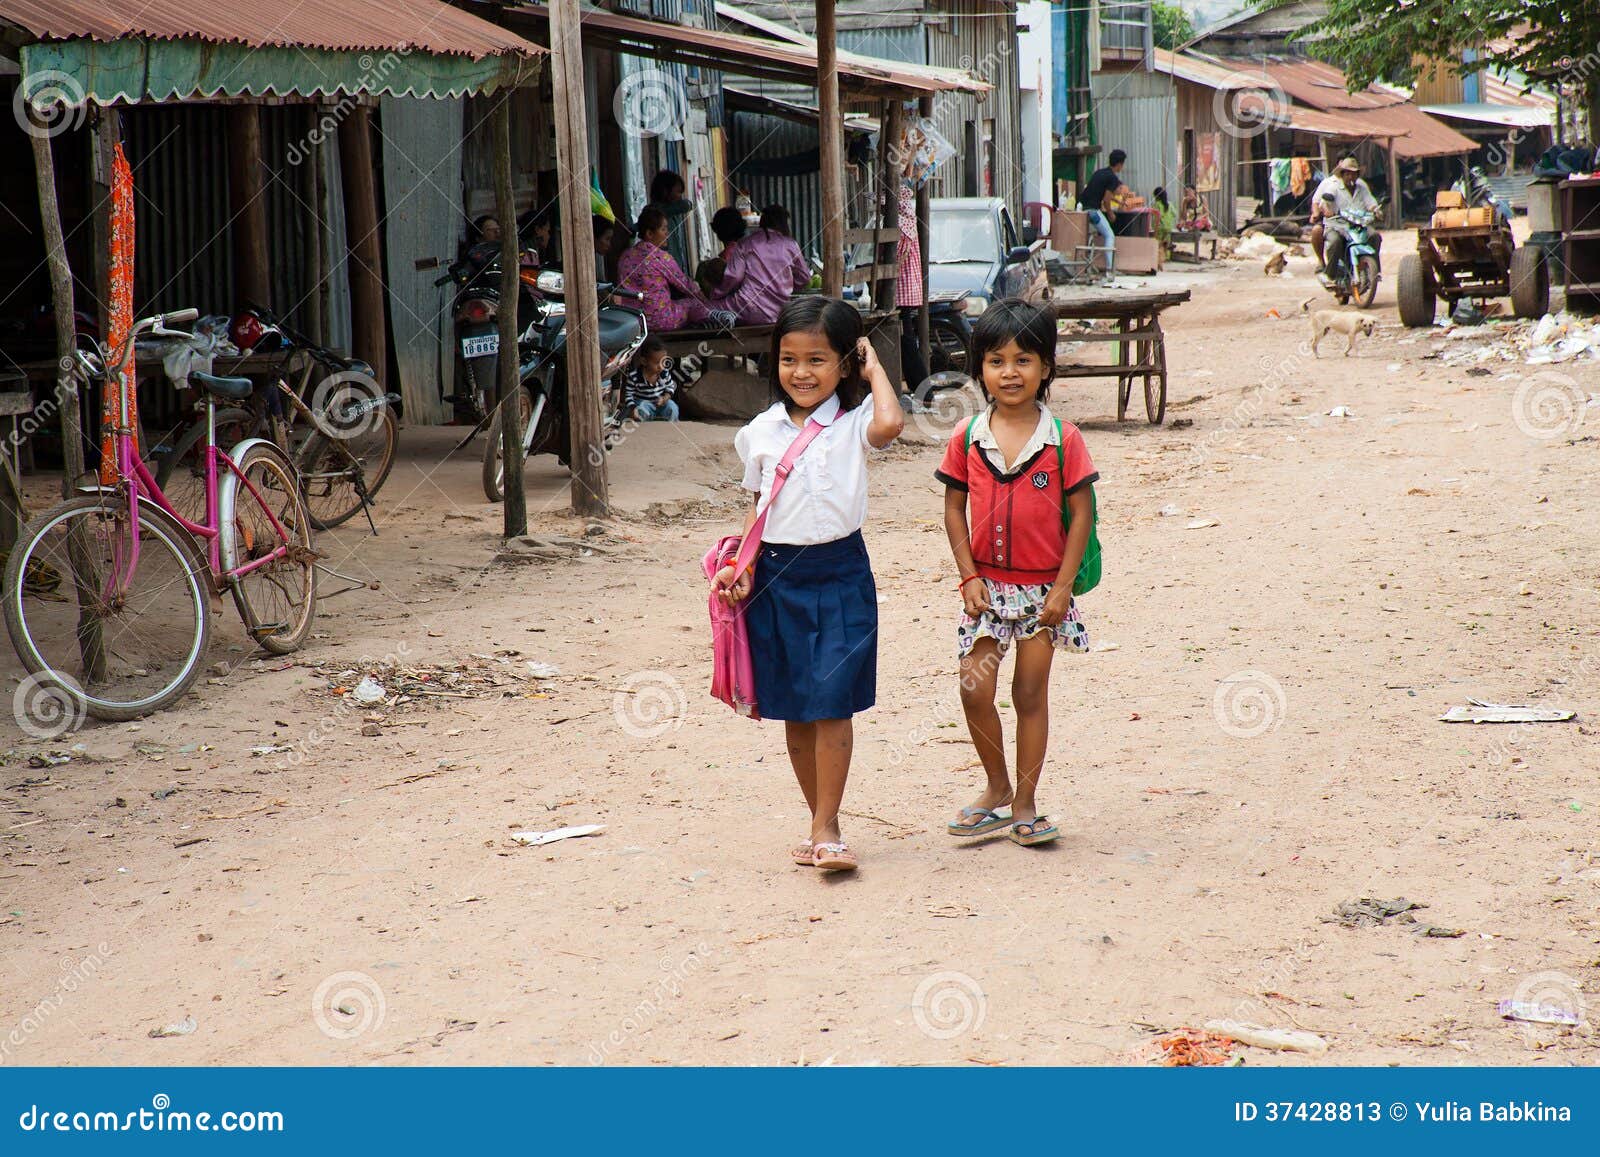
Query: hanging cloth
<point x="119" y="407"/>
<point x="1299" y="175"/>
<point x="1278" y="176"/>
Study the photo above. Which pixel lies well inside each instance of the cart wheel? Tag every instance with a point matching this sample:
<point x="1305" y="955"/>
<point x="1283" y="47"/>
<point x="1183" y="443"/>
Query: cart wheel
<point x="1415" y="291"/>
<point x="1530" y="282"/>
<point x="1155" y="385"/>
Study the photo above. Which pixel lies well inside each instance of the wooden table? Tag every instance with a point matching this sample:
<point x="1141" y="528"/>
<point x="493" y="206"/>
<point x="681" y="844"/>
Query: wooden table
<point x="1141" y="345"/>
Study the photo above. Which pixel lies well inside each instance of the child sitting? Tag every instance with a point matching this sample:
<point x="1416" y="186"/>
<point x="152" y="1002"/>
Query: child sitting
<point x="650" y="382"/>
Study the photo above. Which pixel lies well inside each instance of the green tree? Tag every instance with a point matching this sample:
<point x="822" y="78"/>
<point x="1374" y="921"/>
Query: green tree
<point x="1554" y="40"/>
<point x="1171" y="26"/>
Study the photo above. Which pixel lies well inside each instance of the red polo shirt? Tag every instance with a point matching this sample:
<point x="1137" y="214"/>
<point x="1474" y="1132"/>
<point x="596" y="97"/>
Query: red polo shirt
<point x="1015" y="518"/>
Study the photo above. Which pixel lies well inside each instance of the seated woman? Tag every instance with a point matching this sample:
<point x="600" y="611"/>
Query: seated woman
<point x="764" y="269"/>
<point x="671" y="300"/>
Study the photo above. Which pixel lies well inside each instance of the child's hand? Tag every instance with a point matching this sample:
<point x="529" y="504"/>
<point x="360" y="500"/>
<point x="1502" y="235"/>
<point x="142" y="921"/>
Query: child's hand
<point x="1056" y="605"/>
<point x="975" y="597"/>
<point x="869" y="358"/>
<point x="729" y="591"/>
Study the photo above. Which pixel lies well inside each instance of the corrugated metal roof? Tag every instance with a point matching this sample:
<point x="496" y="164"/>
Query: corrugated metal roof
<point x="1186" y="66"/>
<point x="1511" y="116"/>
<point x="1379" y="111"/>
<point x="332" y="25"/>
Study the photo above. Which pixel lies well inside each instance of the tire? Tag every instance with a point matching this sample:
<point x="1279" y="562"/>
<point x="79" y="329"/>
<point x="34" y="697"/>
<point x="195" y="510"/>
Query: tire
<point x="493" y="461"/>
<point x="1365" y="281"/>
<point x="335" y="472"/>
<point x="181" y="473"/>
<point x="1530" y="282"/>
<point x="1415" y="292"/>
<point x="278" y="600"/>
<point x="153" y="653"/>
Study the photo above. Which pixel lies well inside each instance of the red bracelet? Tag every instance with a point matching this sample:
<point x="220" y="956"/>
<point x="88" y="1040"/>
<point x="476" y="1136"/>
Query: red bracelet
<point x="962" y="585"/>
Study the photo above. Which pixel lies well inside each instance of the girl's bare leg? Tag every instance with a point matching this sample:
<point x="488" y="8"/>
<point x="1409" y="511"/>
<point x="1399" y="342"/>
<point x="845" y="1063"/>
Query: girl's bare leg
<point x="980" y="672"/>
<point x="1030" y="692"/>
<point x="802" y="740"/>
<point x="835" y="740"/>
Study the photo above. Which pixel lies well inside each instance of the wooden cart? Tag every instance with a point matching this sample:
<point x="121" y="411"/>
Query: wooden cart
<point x="1141" y="345"/>
<point x="1472" y="261"/>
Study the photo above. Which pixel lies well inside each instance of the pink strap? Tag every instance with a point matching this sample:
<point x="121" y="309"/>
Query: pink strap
<point x="752" y="541"/>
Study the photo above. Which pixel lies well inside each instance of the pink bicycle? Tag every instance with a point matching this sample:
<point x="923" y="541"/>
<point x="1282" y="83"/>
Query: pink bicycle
<point x="107" y="596"/>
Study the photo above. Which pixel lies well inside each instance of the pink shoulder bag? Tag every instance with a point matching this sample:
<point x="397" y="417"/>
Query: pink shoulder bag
<point x="733" y="674"/>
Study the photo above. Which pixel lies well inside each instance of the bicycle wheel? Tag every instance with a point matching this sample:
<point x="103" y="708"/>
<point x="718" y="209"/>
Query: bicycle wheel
<point x="277" y="598"/>
<point x="181" y="472"/>
<point x="129" y="636"/>
<point x="336" y="472"/>
<point x="494" y="466"/>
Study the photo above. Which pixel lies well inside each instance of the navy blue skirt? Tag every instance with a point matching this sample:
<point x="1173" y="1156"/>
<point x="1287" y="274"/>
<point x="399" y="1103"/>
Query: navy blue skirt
<point x="812" y="617"/>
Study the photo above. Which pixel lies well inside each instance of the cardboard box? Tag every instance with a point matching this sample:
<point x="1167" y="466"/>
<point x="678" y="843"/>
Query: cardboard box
<point x="1449" y="199"/>
<point x="1138" y="255"/>
<point x="1449" y="218"/>
<point x="1480" y="215"/>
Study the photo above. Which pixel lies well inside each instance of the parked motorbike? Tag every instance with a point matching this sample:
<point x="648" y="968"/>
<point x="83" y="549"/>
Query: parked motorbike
<point x="1355" y="275"/>
<point x="541" y="402"/>
<point x="949" y="337"/>
<point x="475" y="312"/>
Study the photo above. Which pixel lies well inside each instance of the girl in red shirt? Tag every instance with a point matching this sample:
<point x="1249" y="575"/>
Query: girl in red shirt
<point x="1014" y="468"/>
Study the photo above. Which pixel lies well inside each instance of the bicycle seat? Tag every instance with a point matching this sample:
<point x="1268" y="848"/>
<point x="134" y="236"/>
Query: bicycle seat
<point x="229" y="389"/>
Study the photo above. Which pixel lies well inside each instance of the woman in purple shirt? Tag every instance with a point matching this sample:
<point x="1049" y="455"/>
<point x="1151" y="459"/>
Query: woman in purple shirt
<point x="671" y="300"/>
<point x="764" y="269"/>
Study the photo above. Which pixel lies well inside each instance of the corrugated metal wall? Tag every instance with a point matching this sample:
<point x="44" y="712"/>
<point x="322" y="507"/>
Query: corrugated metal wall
<point x="906" y="42"/>
<point x="1137" y="113"/>
<point x="981" y="38"/>
<point x="422" y="218"/>
<point x="756" y="137"/>
<point x="1196" y="111"/>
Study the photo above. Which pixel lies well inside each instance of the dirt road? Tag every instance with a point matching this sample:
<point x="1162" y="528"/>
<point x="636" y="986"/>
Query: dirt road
<point x="1258" y="744"/>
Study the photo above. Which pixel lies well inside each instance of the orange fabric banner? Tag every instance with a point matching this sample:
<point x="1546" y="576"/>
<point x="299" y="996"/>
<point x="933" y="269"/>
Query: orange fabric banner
<point x="120" y="404"/>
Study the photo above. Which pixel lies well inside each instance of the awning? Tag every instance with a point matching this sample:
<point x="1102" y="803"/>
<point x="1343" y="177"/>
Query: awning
<point x="165" y="50"/>
<point x="743" y="100"/>
<point x="1374" y="111"/>
<point x="1509" y="116"/>
<point x="752" y="56"/>
<point x="1416" y="134"/>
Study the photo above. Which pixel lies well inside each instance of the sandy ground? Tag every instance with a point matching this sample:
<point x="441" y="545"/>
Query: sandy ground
<point x="1261" y="744"/>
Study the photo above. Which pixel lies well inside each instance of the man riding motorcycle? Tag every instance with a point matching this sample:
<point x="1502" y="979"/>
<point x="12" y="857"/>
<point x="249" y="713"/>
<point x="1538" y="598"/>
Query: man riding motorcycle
<point x="1343" y="190"/>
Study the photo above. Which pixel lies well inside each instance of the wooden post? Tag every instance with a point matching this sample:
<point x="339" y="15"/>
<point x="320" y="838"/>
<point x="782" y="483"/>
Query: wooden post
<point x="1327" y="165"/>
<point x="830" y="134"/>
<point x="890" y="167"/>
<point x="368" y="336"/>
<point x="588" y="453"/>
<point x="510" y="409"/>
<point x="90" y="645"/>
<point x="1394" y="186"/>
<point x="924" y="222"/>
<point x="247" y="209"/>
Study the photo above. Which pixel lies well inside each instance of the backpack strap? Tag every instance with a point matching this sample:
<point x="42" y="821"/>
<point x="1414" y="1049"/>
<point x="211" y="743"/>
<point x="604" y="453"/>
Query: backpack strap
<point x="751" y="542"/>
<point x="967" y="445"/>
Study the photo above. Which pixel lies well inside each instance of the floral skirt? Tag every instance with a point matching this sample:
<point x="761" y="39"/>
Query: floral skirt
<point x="1014" y="614"/>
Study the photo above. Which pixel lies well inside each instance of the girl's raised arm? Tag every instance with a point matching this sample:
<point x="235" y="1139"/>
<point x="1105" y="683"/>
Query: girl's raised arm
<point x="888" y="419"/>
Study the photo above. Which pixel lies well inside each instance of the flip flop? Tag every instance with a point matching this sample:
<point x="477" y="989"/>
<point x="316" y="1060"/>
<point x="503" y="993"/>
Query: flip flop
<point x="1040" y="831"/>
<point x="834" y="857"/>
<point x="992" y="821"/>
<point x="805" y="854"/>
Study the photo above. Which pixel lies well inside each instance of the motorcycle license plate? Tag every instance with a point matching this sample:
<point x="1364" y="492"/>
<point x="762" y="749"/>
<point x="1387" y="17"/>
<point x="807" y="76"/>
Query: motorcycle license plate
<point x="480" y="347"/>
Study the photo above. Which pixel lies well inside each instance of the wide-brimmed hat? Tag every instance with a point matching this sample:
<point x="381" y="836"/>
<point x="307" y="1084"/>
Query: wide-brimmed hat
<point x="1348" y="165"/>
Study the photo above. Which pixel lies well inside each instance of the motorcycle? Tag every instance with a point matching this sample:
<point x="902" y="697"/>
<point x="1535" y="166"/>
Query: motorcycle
<point x="475" y="311"/>
<point x="541" y="400"/>
<point x="1355" y="275"/>
<point x="949" y="337"/>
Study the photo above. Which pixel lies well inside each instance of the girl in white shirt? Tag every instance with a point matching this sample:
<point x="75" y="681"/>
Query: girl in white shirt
<point x="812" y="609"/>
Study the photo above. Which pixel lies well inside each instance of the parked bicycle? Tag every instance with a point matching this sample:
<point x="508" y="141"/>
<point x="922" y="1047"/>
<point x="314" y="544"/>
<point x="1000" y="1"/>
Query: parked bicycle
<point x="116" y="613"/>
<point x="335" y="423"/>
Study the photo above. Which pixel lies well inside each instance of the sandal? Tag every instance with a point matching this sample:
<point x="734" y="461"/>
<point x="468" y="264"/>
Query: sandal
<point x="1040" y="831"/>
<point x="834" y="857"/>
<point x="990" y="821"/>
<point x="805" y="854"/>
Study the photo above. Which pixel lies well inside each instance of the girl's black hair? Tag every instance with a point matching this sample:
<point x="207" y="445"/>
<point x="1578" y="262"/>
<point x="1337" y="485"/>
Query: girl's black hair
<point x="475" y="233"/>
<point x="840" y="324"/>
<point x="664" y="186"/>
<point x="776" y="219"/>
<point x="1032" y="327"/>
<point x="728" y="224"/>
<point x="650" y="218"/>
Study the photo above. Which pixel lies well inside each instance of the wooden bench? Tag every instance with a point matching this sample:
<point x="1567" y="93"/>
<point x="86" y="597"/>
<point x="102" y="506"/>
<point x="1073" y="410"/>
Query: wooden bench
<point x="1191" y="237"/>
<point x="15" y="405"/>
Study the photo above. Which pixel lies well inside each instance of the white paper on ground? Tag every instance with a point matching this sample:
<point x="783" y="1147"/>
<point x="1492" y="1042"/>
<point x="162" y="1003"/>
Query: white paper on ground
<point x="534" y="839"/>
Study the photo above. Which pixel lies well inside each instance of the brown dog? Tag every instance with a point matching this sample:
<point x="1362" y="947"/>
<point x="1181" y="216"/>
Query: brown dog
<point x="1275" y="264"/>
<point x="1347" y="322"/>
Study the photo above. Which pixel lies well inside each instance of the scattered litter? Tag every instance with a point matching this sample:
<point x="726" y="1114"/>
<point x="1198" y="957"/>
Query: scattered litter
<point x="48" y="759"/>
<point x="1186" y="1047"/>
<point x="1274" y="313"/>
<point x="1369" y="913"/>
<point x="1532" y="1013"/>
<point x="535" y="839"/>
<point x="1482" y="712"/>
<point x="271" y="749"/>
<point x="541" y="670"/>
<point x="1202" y="524"/>
<point x="1394" y="367"/>
<point x="1278" y="1039"/>
<point x="1100" y="645"/>
<point x="371" y="730"/>
<point x="369" y="692"/>
<point x="1340" y="412"/>
<point x="1170" y="510"/>
<point x="1258" y="247"/>
<point x="1176" y="791"/>
<point x="182" y="1028"/>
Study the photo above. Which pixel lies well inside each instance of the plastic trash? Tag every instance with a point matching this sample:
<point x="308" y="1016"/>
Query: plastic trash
<point x="179" y="1028"/>
<point x="368" y="692"/>
<point x="542" y="670"/>
<point x="1278" y="1039"/>
<point x="1533" y="1013"/>
<point x="1480" y="712"/>
<point x="1340" y="412"/>
<point x="535" y="839"/>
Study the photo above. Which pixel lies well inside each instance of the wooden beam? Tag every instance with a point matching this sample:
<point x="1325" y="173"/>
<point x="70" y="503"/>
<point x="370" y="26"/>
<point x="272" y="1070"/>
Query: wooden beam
<point x="368" y="334"/>
<point x="247" y="208"/>
<point x="510" y="385"/>
<point x="1394" y="186"/>
<point x="590" y="494"/>
<point x="830" y="135"/>
<point x="889" y="169"/>
<point x="924" y="219"/>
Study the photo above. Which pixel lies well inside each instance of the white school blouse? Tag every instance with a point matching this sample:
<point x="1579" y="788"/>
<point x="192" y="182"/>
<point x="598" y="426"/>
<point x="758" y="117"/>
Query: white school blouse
<point x="825" y="498"/>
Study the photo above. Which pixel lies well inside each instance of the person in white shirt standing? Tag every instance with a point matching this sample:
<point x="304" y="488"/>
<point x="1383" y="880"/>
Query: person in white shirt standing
<point x="810" y="603"/>
<point x="1342" y="190"/>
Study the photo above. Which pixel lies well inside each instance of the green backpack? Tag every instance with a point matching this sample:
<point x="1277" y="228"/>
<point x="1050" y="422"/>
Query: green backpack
<point x="1089" y="569"/>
